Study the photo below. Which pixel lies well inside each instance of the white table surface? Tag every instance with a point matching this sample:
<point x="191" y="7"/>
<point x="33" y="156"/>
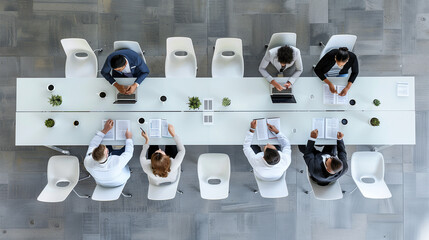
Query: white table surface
<point x="246" y="94"/>
<point x="397" y="127"/>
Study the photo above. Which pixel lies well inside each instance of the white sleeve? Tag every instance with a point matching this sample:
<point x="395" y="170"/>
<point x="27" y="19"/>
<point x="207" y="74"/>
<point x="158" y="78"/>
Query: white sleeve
<point x="95" y="142"/>
<point x="248" y="151"/>
<point x="298" y="67"/>
<point x="285" y="146"/>
<point x="263" y="67"/>
<point x="127" y="154"/>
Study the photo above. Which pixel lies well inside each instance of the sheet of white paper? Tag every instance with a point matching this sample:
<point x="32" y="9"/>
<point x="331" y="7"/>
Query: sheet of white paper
<point x="276" y="123"/>
<point x="402" y="89"/>
<point x="261" y="129"/>
<point x="331" y="128"/>
<point x="121" y="128"/>
<point x="341" y="99"/>
<point x="328" y="97"/>
<point x="164" y="129"/>
<point x="155" y="128"/>
<point x="110" y="134"/>
<point x="319" y="124"/>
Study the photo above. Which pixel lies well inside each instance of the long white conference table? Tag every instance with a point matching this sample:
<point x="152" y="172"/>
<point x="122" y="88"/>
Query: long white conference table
<point x="249" y="96"/>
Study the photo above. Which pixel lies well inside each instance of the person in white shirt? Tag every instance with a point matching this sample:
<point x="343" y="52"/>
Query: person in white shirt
<point x="281" y="58"/>
<point x="162" y="166"/>
<point x="270" y="164"/>
<point x="109" y="168"/>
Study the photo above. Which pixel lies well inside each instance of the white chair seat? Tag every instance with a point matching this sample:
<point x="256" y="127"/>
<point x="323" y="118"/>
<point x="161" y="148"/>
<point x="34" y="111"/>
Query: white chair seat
<point x="132" y="45"/>
<point x="107" y="193"/>
<point x="180" y="66"/>
<point x="163" y="191"/>
<point x="78" y="65"/>
<point x="214" y="166"/>
<point x="273" y="189"/>
<point x="60" y="169"/>
<point x="228" y="66"/>
<point x="281" y="39"/>
<point x="337" y="41"/>
<point x="329" y="192"/>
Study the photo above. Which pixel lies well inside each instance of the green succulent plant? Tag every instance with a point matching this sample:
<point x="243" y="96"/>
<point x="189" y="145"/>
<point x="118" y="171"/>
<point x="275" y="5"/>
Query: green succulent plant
<point x="376" y="102"/>
<point x="55" y="100"/>
<point x="194" y="103"/>
<point x="49" y="122"/>
<point x="226" y="102"/>
<point x="375" y="122"/>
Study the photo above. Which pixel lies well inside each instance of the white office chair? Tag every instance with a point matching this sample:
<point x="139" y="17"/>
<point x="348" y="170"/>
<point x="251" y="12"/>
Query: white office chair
<point x="368" y="173"/>
<point x="108" y="193"/>
<point x="281" y="39"/>
<point x="329" y="192"/>
<point x="224" y="65"/>
<point x="177" y="64"/>
<point x="132" y="45"/>
<point x="164" y="191"/>
<point x="81" y="60"/>
<point x="272" y="189"/>
<point x="337" y="41"/>
<point x="214" y="171"/>
<point x="63" y="175"/>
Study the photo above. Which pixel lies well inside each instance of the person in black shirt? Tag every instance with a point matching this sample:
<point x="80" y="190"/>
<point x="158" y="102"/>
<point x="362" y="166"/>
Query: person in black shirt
<point x="336" y="63"/>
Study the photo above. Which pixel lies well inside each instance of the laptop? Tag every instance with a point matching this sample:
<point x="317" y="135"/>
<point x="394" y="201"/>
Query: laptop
<point x="125" y="99"/>
<point x="283" y="96"/>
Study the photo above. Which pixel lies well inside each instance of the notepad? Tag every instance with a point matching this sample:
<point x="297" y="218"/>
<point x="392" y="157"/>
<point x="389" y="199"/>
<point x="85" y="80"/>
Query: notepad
<point x="327" y="127"/>
<point x="159" y="128"/>
<point x="118" y="130"/>
<point x="262" y="131"/>
<point x="402" y="89"/>
<point x="330" y="98"/>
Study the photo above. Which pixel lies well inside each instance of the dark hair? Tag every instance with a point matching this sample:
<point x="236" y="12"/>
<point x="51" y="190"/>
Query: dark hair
<point x="285" y="54"/>
<point x="160" y="164"/>
<point x="98" y="153"/>
<point x="117" y="61"/>
<point x="336" y="164"/>
<point x="342" y="54"/>
<point x="271" y="156"/>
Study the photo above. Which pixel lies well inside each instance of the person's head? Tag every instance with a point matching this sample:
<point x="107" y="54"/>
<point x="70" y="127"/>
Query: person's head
<point x="271" y="155"/>
<point x="118" y="62"/>
<point x="285" y="55"/>
<point x="160" y="163"/>
<point x="342" y="57"/>
<point x="333" y="165"/>
<point x="100" y="153"/>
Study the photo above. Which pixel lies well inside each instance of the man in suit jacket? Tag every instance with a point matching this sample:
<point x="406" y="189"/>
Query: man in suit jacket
<point x="125" y="63"/>
<point x="326" y="166"/>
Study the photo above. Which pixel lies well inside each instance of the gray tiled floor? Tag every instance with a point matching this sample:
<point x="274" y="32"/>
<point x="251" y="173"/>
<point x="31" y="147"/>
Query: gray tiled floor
<point x="393" y="39"/>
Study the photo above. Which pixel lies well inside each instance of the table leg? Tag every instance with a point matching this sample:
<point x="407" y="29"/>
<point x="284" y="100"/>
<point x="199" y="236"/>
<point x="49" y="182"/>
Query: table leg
<point x="380" y="148"/>
<point x="66" y="152"/>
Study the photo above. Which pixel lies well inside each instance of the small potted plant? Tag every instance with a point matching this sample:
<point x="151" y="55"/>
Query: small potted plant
<point x="374" y="122"/>
<point x="376" y="102"/>
<point x="55" y="100"/>
<point x="226" y="102"/>
<point x="194" y="103"/>
<point x="49" y="123"/>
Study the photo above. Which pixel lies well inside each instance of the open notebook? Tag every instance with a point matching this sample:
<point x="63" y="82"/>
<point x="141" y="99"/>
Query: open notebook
<point x="159" y="128"/>
<point x="330" y="98"/>
<point x="118" y="130"/>
<point x="327" y="127"/>
<point x="262" y="131"/>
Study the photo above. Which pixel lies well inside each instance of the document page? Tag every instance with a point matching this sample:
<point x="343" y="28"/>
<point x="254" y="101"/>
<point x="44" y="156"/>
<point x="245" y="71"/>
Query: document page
<point x="341" y="99"/>
<point x="331" y="128"/>
<point x="276" y="123"/>
<point x="319" y="124"/>
<point x="261" y="129"/>
<point x="164" y="129"/>
<point x="121" y="128"/>
<point x="328" y="97"/>
<point x="155" y="128"/>
<point x="110" y="135"/>
<point x="402" y="89"/>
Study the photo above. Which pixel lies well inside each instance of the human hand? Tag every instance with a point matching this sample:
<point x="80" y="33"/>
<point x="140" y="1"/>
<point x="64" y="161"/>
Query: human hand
<point x="332" y="88"/>
<point x="314" y="133"/>
<point x="128" y="134"/>
<point x="131" y="89"/>
<point x="340" y="135"/>
<point x="107" y="126"/>
<point x="171" y="130"/>
<point x="145" y="136"/>
<point x="344" y="92"/>
<point x="277" y="85"/>
<point x="288" y="85"/>
<point x="121" y="88"/>
<point x="253" y="124"/>
<point x="272" y="128"/>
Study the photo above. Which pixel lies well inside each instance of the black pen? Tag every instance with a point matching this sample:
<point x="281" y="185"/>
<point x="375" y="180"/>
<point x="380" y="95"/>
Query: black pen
<point x="142" y="130"/>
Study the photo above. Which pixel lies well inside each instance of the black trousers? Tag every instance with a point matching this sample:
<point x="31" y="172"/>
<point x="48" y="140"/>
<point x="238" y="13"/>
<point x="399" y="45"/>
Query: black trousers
<point x="170" y="150"/>
<point x="327" y="149"/>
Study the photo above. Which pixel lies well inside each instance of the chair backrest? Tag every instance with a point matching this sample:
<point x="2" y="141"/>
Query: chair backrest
<point x="273" y="189"/>
<point x="176" y="64"/>
<point x="132" y="45"/>
<point x="329" y="192"/>
<point x="225" y="64"/>
<point x="81" y="60"/>
<point x="163" y="191"/>
<point x="281" y="39"/>
<point x="214" y="167"/>
<point x="107" y="193"/>
<point x="337" y="41"/>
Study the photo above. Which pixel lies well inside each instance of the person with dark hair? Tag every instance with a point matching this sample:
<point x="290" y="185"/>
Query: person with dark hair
<point x="270" y="164"/>
<point x="107" y="166"/>
<point x="325" y="166"/>
<point x="125" y="63"/>
<point x="275" y="63"/>
<point x="162" y="166"/>
<point x="336" y="63"/>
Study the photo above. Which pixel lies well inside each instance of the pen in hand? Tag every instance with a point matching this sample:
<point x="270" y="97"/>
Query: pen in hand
<point x="142" y="130"/>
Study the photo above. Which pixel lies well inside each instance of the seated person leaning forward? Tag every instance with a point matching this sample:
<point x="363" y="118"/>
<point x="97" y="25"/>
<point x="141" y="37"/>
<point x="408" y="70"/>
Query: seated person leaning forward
<point x="336" y="63"/>
<point x="273" y="161"/>
<point x="326" y="166"/>
<point x="125" y="63"/>
<point x="163" y="166"/>
<point x="107" y="166"/>
<point x="277" y="60"/>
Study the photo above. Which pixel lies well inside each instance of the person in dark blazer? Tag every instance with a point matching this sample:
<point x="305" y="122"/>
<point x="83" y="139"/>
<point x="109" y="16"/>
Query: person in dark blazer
<point x="125" y="63"/>
<point x="326" y="166"/>
<point x="336" y="63"/>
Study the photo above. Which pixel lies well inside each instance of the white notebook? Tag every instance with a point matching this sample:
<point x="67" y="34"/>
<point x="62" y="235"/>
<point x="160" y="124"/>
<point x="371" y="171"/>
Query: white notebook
<point x="118" y="130"/>
<point x="330" y="98"/>
<point x="262" y="132"/>
<point x="327" y="127"/>
<point x="159" y="128"/>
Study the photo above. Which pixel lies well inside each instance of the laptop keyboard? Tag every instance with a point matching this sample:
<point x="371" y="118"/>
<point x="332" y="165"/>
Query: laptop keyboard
<point x="126" y="97"/>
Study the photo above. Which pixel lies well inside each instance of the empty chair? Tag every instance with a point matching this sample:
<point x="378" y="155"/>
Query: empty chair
<point x="273" y="189"/>
<point x="368" y="173"/>
<point x="214" y="171"/>
<point x="329" y="192"/>
<point x="337" y="41"/>
<point x="132" y="45"/>
<point x="63" y="175"/>
<point x="228" y="58"/>
<point x="281" y="39"/>
<point x="163" y="191"/>
<point x="81" y="60"/>
<point x="108" y="193"/>
<point x="180" y="58"/>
